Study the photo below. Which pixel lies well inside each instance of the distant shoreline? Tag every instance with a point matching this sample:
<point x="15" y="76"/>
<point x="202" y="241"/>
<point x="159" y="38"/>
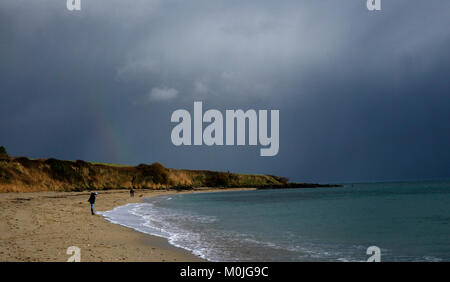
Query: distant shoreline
<point x="20" y="174"/>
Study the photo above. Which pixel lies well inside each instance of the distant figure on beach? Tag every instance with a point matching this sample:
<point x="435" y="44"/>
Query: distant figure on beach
<point x="92" y="201"/>
<point x="132" y="186"/>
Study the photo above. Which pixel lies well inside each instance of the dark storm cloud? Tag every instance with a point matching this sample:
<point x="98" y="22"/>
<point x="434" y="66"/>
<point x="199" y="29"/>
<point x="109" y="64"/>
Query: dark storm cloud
<point x="362" y="95"/>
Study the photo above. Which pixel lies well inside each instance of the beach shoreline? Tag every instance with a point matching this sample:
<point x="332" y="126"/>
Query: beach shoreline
<point x="40" y="226"/>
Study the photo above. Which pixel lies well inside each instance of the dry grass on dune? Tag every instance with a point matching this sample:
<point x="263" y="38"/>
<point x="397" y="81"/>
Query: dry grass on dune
<point x="25" y="175"/>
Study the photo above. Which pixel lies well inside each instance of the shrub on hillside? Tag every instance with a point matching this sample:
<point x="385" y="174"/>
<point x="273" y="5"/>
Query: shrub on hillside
<point x="3" y="153"/>
<point x="81" y="163"/>
<point x="281" y="179"/>
<point x="26" y="162"/>
<point x="62" y="170"/>
<point x="156" y="172"/>
<point x="218" y="179"/>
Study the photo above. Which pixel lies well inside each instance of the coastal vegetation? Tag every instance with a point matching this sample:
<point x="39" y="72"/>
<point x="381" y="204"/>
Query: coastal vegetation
<point x="3" y="152"/>
<point x="21" y="174"/>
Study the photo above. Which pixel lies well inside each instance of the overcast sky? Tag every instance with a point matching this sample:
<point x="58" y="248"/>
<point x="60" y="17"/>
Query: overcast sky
<point x="363" y="96"/>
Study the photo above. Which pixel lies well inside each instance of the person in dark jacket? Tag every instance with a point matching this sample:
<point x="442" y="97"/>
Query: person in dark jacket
<point x="92" y="201"/>
<point x="132" y="186"/>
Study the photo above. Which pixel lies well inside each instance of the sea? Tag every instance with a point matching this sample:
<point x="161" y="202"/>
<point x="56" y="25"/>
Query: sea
<point x="403" y="221"/>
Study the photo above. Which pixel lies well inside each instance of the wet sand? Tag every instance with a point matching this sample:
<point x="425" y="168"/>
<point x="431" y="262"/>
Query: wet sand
<point x="40" y="226"/>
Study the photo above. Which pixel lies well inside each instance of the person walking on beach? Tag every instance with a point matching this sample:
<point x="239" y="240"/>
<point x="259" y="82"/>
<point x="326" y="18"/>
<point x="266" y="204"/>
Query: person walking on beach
<point x="132" y="186"/>
<point x="92" y="201"/>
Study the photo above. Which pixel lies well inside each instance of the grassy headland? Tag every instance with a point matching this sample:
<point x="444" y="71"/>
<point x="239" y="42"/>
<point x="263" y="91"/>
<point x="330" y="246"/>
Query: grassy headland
<point x="20" y="174"/>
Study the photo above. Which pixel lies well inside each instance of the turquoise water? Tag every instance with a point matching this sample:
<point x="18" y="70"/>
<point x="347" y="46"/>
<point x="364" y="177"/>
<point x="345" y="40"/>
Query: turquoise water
<point x="407" y="221"/>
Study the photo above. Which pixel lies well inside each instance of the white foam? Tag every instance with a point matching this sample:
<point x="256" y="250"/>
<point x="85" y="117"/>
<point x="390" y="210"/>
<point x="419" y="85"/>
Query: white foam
<point x="145" y="218"/>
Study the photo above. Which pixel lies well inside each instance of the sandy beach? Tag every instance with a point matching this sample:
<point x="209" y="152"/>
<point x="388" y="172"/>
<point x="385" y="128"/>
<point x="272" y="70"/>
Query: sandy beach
<point x="40" y="226"/>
